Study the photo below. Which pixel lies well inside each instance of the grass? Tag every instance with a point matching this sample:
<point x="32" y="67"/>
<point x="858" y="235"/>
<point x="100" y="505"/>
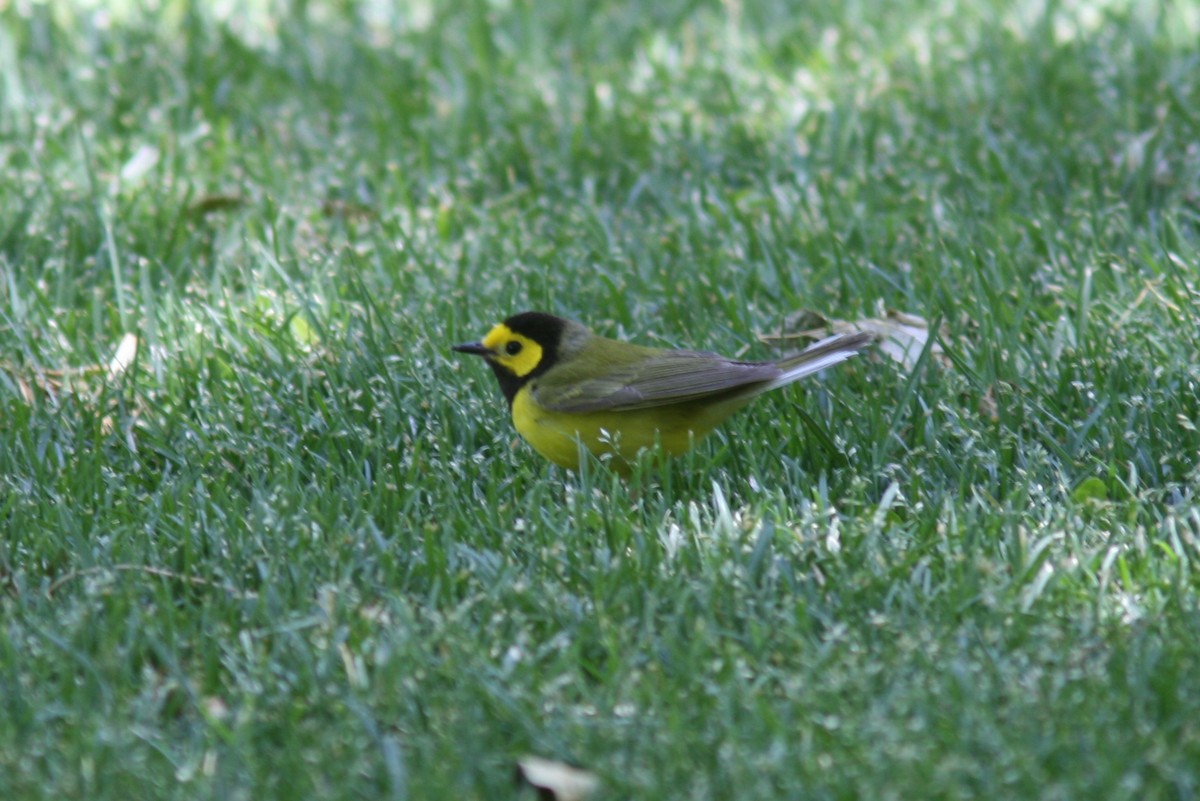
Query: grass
<point x="295" y="549"/>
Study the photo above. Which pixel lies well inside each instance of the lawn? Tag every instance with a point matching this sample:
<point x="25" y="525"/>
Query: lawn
<point x="263" y="535"/>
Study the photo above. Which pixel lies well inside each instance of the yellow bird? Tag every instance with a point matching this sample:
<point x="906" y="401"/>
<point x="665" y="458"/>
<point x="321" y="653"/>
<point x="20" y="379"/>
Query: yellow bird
<point x="566" y="385"/>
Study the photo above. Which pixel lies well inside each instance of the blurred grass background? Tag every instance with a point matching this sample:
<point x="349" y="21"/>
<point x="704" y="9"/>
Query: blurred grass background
<point x="295" y="548"/>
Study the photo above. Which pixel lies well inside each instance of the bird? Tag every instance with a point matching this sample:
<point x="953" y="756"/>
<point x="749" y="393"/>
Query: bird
<point x="567" y="386"/>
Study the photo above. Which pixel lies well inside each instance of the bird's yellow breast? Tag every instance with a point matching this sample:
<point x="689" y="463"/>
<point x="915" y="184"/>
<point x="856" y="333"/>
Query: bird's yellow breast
<point x="556" y="435"/>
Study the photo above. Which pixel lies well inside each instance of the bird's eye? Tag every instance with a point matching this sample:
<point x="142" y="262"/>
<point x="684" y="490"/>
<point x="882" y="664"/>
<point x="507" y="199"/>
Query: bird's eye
<point x="512" y="348"/>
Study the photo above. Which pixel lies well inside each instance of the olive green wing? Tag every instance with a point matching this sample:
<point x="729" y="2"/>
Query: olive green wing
<point x="656" y="378"/>
<point x="612" y="376"/>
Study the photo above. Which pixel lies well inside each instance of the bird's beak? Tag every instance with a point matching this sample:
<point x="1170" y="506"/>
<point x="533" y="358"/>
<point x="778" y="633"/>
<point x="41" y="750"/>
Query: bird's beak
<point x="473" y="347"/>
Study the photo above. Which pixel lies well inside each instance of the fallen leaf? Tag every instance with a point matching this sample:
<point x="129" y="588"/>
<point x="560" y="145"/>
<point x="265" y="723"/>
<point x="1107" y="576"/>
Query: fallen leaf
<point x="900" y="336"/>
<point x="556" y="781"/>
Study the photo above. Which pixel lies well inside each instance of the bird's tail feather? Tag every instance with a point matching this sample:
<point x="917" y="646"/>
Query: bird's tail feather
<point x="816" y="357"/>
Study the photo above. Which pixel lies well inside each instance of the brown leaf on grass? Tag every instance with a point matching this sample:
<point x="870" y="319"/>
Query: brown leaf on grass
<point x="556" y="781"/>
<point x="900" y="336"/>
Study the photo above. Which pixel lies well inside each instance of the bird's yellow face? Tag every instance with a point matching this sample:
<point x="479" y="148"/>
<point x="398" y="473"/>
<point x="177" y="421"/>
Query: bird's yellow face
<point x="520" y="349"/>
<point x="514" y="352"/>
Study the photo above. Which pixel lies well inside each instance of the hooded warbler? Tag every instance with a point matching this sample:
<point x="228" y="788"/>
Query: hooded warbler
<point x="566" y="385"/>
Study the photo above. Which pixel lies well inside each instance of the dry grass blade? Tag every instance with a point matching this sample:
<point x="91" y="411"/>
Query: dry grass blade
<point x="195" y="581"/>
<point x="40" y="381"/>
